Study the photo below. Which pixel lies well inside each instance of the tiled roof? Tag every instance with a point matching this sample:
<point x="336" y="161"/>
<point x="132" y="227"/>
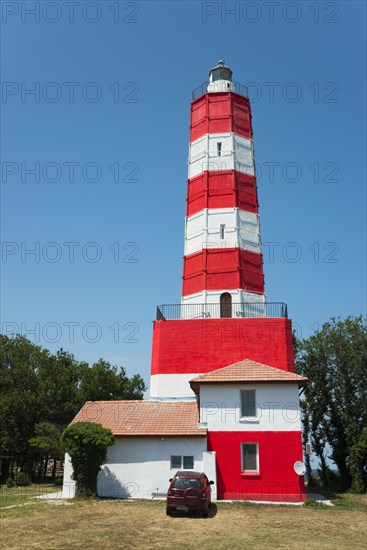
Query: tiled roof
<point x="247" y="371"/>
<point x="144" y="418"/>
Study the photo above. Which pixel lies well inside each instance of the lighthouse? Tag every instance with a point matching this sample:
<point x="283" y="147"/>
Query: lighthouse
<point x="225" y="347"/>
<point x="223" y="267"/>
<point x="224" y="395"/>
<point x="227" y="317"/>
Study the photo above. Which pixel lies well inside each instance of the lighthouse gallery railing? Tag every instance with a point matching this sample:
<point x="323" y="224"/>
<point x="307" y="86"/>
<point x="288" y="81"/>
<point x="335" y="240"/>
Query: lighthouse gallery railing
<point x="207" y="311"/>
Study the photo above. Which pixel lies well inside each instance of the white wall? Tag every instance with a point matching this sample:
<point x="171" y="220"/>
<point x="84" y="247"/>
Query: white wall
<point x="241" y="230"/>
<point x="239" y="297"/>
<point x="210" y="468"/>
<point x="138" y="467"/>
<point x="221" y="86"/>
<point x="68" y="488"/>
<point x="171" y="385"/>
<point x="277" y="407"/>
<point x="236" y="154"/>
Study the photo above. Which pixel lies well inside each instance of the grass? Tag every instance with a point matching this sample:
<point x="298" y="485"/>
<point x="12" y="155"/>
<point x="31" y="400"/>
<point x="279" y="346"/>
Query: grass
<point x="114" y="524"/>
<point x="20" y="495"/>
<point x="348" y="501"/>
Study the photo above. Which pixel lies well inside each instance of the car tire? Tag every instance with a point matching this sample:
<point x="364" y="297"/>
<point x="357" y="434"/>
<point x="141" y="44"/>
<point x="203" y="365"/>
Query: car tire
<point x="205" y="514"/>
<point x="168" y="511"/>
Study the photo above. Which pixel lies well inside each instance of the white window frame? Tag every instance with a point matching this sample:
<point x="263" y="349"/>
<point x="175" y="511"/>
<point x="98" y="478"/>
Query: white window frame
<point x="243" y="444"/>
<point x="248" y="418"/>
<point x="181" y="467"/>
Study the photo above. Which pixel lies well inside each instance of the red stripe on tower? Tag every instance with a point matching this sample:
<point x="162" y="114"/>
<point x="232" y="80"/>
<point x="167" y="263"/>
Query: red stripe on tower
<point x="214" y="113"/>
<point x="230" y="268"/>
<point x="222" y="257"/>
<point x="222" y="189"/>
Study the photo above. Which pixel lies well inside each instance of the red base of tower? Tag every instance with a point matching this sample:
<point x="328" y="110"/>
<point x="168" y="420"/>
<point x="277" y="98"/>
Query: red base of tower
<point x="204" y="345"/>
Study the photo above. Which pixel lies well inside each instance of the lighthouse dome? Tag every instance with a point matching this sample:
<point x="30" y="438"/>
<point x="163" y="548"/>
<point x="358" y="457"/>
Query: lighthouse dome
<point x="220" y="72"/>
<point x="220" y="78"/>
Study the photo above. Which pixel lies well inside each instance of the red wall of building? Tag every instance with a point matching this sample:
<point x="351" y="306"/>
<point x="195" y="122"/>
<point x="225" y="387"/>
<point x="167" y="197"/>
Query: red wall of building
<point x="220" y="112"/>
<point x="276" y="480"/>
<point x="227" y="268"/>
<point x="221" y="189"/>
<point x="203" y="345"/>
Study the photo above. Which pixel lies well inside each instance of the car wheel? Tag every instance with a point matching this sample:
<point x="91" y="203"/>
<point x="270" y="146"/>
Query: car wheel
<point x="205" y="514"/>
<point x="168" y="511"/>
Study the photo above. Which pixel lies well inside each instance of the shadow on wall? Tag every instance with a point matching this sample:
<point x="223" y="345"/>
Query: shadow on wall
<point x="108" y="485"/>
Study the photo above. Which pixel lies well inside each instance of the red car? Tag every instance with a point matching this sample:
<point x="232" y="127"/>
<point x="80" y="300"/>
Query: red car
<point x="189" y="492"/>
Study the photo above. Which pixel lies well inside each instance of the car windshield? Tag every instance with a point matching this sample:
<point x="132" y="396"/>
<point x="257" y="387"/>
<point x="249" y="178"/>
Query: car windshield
<point x="185" y="483"/>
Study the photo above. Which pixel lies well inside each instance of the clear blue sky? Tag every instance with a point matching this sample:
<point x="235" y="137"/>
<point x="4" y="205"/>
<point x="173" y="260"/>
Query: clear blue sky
<point x="313" y="53"/>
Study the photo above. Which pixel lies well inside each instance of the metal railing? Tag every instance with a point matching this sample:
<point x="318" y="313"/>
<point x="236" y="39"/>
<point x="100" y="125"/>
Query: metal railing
<point x="213" y="311"/>
<point x="236" y="87"/>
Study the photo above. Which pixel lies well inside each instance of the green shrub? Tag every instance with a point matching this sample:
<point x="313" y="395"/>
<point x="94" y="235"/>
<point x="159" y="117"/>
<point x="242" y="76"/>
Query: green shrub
<point x="58" y="482"/>
<point x="87" y="445"/>
<point x="10" y="482"/>
<point x="21" y="479"/>
<point x="335" y="482"/>
<point x="314" y="483"/>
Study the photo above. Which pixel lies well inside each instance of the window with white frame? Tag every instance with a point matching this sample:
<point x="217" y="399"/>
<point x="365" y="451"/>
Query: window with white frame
<point x="250" y="457"/>
<point x="248" y="404"/>
<point x="188" y="462"/>
<point x="180" y="462"/>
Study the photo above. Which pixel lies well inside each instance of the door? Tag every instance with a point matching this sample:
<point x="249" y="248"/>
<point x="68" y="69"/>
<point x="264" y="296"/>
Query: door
<point x="226" y="305"/>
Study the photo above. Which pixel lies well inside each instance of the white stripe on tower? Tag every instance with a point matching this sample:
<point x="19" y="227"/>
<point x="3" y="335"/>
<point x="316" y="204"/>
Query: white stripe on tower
<point x="227" y="151"/>
<point x="222" y="228"/>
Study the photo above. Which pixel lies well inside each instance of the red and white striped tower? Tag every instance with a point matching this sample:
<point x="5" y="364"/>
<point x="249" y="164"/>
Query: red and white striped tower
<point x="223" y="317"/>
<point x="223" y="267"/>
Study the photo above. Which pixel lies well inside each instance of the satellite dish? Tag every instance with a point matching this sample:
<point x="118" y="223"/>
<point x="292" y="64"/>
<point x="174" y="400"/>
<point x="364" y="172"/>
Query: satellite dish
<point x="299" y="468"/>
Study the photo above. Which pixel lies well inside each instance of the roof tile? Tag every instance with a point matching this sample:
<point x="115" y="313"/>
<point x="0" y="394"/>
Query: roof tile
<point x="247" y="371"/>
<point x="144" y="418"/>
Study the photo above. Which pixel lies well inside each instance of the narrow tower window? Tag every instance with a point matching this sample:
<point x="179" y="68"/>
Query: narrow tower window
<point x="219" y="148"/>
<point x="222" y="227"/>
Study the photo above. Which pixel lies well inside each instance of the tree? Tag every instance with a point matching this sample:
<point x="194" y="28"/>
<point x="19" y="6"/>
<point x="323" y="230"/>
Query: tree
<point x="20" y="407"/>
<point x="103" y="382"/>
<point x="37" y="386"/>
<point x="47" y="442"/>
<point x="335" y="399"/>
<point x="87" y="444"/>
<point x="59" y="388"/>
